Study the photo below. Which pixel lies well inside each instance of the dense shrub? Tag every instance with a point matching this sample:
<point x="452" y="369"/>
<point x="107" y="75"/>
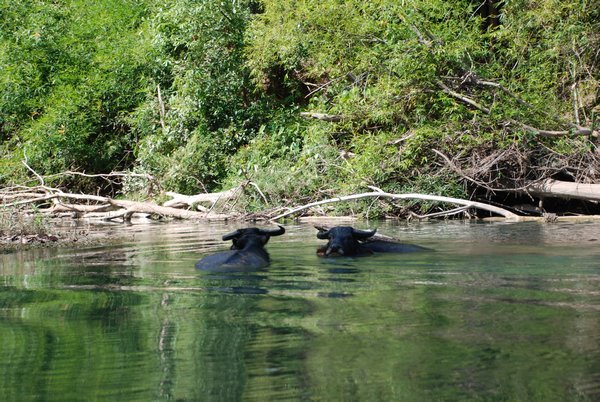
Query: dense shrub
<point x="70" y="73"/>
<point x="206" y="94"/>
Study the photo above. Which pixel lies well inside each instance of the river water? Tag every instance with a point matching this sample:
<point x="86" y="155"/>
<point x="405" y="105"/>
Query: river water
<point x="499" y="311"/>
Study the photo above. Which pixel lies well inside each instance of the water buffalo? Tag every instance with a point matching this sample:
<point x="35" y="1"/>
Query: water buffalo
<point x="247" y="251"/>
<point x="347" y="241"/>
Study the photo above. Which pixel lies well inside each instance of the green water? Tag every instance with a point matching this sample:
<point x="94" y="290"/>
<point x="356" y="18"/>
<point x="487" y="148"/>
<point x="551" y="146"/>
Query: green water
<point x="506" y="312"/>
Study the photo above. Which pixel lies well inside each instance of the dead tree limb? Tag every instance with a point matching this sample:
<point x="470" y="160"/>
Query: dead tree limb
<point x="462" y="174"/>
<point x="540" y="188"/>
<point x="24" y="162"/>
<point x="442" y="213"/>
<point x="107" y="208"/>
<point x="180" y="200"/>
<point x="471" y="204"/>
<point x="151" y="208"/>
<point x="259" y="192"/>
<point x="477" y="81"/>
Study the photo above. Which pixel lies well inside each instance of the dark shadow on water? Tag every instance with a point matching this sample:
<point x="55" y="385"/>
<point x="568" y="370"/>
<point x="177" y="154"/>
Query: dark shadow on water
<point x="335" y="295"/>
<point x="239" y="290"/>
<point x="341" y="270"/>
<point x="232" y="276"/>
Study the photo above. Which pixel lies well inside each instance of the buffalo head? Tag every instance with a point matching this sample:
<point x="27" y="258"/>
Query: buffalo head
<point x="247" y="237"/>
<point x="247" y="251"/>
<point x="344" y="240"/>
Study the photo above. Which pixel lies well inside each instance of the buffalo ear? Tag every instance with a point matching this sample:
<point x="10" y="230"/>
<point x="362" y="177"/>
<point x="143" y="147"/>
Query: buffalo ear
<point x="323" y="235"/>
<point x="232" y="235"/>
<point x="363" y="234"/>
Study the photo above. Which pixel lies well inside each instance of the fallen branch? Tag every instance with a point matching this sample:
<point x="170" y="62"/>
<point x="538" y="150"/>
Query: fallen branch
<point x="107" y="208"/>
<point x="80" y="208"/>
<point x="441" y="213"/>
<point x="477" y="81"/>
<point x="470" y="204"/>
<point x="259" y="192"/>
<point x="181" y="200"/>
<point x="24" y="162"/>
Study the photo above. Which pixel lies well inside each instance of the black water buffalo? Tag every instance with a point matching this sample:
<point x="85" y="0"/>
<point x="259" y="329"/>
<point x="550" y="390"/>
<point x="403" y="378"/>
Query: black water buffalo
<point x="247" y="251"/>
<point x="347" y="241"/>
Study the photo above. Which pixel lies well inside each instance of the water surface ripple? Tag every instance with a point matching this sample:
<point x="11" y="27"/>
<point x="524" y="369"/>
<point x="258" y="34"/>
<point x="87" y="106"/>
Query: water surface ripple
<point x="499" y="311"/>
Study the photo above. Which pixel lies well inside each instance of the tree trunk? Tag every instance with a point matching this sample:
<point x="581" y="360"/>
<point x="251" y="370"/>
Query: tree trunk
<point x="565" y="189"/>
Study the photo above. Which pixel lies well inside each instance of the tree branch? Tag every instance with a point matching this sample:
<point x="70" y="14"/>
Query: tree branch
<point x="24" y="161"/>
<point x="564" y="189"/>
<point x="127" y="208"/>
<point x="462" y="98"/>
<point x="101" y="175"/>
<point x="549" y="133"/>
<point x="188" y="200"/>
<point x="471" y="204"/>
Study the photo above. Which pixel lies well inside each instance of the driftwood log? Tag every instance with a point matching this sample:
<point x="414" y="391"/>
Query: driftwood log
<point x="48" y="200"/>
<point x="564" y="189"/>
<point x="181" y="200"/>
<point x="96" y="207"/>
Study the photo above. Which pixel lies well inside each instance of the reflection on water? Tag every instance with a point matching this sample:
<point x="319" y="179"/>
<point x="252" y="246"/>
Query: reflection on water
<point x="497" y="312"/>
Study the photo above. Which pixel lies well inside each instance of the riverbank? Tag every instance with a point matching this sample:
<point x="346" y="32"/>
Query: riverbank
<point x="55" y="232"/>
<point x="59" y="232"/>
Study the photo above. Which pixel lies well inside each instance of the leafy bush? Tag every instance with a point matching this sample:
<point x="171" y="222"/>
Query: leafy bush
<point x="211" y="108"/>
<point x="206" y="94"/>
<point x="13" y="222"/>
<point x="70" y="72"/>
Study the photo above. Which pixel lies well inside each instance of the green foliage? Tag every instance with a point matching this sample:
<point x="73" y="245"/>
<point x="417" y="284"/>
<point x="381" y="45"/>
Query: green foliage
<point x="70" y="71"/>
<point x="206" y="94"/>
<point x="211" y="109"/>
<point x="13" y="222"/>
<point x="379" y="66"/>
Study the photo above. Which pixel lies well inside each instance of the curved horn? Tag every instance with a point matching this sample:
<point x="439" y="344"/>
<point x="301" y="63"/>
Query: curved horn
<point x="363" y="234"/>
<point x="323" y="234"/>
<point x="273" y="232"/>
<point x="232" y="235"/>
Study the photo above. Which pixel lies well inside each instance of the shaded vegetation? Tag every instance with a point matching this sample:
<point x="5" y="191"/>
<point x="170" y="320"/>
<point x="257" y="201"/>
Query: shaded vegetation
<point x="13" y="222"/>
<point x="203" y="95"/>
